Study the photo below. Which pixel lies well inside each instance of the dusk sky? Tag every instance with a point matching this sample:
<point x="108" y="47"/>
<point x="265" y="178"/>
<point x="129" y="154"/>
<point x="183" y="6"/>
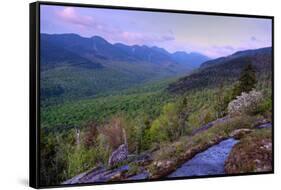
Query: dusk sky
<point x="214" y="36"/>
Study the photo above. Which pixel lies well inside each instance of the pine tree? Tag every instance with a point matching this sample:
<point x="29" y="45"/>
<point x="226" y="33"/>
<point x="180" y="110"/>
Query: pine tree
<point x="247" y="81"/>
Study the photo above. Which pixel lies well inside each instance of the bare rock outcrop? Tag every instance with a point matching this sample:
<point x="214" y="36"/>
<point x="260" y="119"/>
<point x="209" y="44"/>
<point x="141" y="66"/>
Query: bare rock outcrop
<point x="119" y="155"/>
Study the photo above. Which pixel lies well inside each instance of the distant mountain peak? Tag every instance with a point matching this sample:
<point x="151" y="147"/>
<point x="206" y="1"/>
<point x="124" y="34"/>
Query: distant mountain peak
<point x="225" y="70"/>
<point x="253" y="50"/>
<point x="184" y="58"/>
<point x="249" y="52"/>
<point x="100" y="39"/>
<point x="98" y="47"/>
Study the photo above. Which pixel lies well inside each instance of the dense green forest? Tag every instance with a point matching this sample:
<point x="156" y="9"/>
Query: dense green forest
<point x="78" y="134"/>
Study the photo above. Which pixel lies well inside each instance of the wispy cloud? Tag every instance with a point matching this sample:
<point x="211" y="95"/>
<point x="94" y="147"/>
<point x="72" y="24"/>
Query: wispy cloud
<point x="71" y="16"/>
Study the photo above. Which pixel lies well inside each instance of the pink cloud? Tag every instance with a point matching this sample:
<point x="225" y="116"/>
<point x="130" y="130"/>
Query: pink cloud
<point x="69" y="15"/>
<point x="92" y="26"/>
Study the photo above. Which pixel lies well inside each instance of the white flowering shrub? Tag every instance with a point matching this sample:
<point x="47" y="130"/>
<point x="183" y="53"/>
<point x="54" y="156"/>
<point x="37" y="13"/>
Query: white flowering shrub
<point x="245" y="103"/>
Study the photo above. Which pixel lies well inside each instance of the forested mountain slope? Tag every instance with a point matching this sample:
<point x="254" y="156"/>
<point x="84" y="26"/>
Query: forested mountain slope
<point x="226" y="70"/>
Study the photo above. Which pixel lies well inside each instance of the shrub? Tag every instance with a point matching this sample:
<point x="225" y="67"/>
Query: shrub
<point x="264" y="106"/>
<point x="113" y="131"/>
<point x="157" y="132"/>
<point x="198" y="118"/>
<point x="246" y="103"/>
<point x="206" y="116"/>
<point x="168" y="126"/>
<point x="81" y="159"/>
<point x="222" y="97"/>
<point x="89" y="138"/>
<point x="138" y="134"/>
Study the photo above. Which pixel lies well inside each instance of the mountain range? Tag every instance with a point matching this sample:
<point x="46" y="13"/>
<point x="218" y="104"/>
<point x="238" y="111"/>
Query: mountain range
<point x="74" y="66"/>
<point x="59" y="48"/>
<point x="226" y="70"/>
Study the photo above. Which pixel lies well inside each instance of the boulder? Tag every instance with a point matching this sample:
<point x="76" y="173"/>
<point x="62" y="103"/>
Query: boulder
<point x="245" y="103"/>
<point x="119" y="155"/>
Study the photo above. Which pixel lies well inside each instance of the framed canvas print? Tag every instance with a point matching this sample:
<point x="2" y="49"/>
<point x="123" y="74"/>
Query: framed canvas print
<point x="121" y="94"/>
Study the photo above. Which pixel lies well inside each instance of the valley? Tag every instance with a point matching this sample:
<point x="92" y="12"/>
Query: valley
<point x="165" y="108"/>
<point x="73" y="67"/>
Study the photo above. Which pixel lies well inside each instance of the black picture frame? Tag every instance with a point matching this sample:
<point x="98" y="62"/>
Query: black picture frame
<point x="34" y="89"/>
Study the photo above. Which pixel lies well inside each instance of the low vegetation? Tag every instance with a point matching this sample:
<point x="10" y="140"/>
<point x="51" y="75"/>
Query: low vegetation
<point x="252" y="154"/>
<point x="187" y="146"/>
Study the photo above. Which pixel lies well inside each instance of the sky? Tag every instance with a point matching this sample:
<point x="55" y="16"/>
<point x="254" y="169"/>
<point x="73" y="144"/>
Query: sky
<point x="213" y="36"/>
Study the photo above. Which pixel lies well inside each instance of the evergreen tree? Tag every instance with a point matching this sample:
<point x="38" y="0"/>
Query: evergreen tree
<point x="247" y="81"/>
